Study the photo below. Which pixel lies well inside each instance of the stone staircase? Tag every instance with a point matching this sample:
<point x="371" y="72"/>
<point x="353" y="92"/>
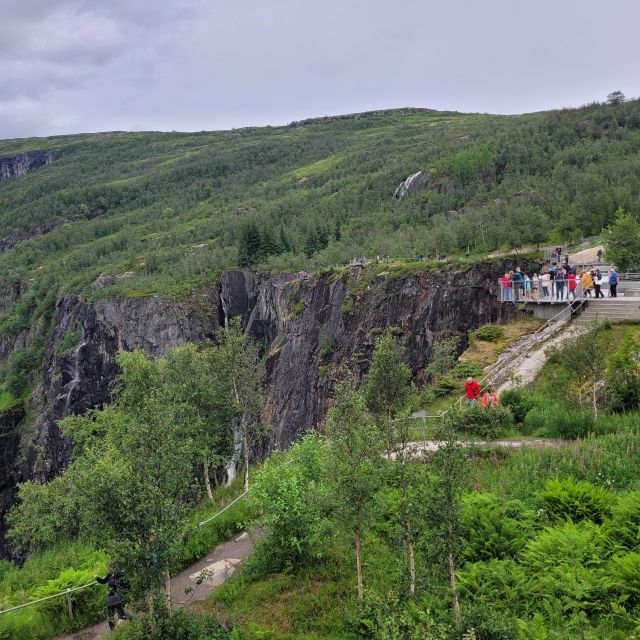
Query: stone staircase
<point x="614" y="309"/>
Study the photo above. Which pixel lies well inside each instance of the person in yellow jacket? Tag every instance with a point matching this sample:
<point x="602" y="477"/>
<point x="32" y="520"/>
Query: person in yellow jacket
<point x="587" y="283"/>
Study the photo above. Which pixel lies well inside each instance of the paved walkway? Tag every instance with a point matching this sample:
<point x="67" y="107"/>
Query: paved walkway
<point x="211" y="571"/>
<point x="415" y="448"/>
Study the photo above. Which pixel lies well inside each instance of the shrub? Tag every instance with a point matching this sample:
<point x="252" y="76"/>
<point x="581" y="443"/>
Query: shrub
<point x="503" y="581"/>
<point x="21" y="365"/>
<point x="297" y="308"/>
<point x="283" y="491"/>
<point x="622" y="529"/>
<point x="384" y="617"/>
<point x="486" y="423"/>
<point x="519" y="402"/>
<point x="563" y="564"/>
<point x="624" y="572"/>
<point x="493" y="528"/>
<point x="466" y="370"/>
<point x="160" y="625"/>
<point x="324" y="343"/>
<point x="68" y="341"/>
<point x="487" y="333"/>
<point x="622" y="389"/>
<point x="575" y="501"/>
<point x="555" y="421"/>
<point x="348" y="306"/>
<point x="445" y="386"/>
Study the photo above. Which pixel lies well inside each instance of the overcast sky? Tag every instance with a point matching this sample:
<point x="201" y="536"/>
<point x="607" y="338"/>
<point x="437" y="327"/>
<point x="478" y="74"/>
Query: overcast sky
<point x="100" y="65"/>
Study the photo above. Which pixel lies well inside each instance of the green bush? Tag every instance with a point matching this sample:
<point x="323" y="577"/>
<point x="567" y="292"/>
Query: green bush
<point x="573" y="500"/>
<point x="22" y="364"/>
<point x="622" y="528"/>
<point x="182" y="625"/>
<point x="482" y="422"/>
<point x="445" y="385"/>
<point x="504" y="582"/>
<point x="324" y="343"/>
<point x="487" y="333"/>
<point x="297" y="308"/>
<point x="519" y="402"/>
<point x="622" y="388"/>
<point x="564" y="568"/>
<point x="284" y="492"/>
<point x="466" y="370"/>
<point x="69" y="340"/>
<point x="493" y="528"/>
<point x="556" y="421"/>
<point x="624" y="572"/>
<point x="386" y="616"/>
<point x="348" y="306"/>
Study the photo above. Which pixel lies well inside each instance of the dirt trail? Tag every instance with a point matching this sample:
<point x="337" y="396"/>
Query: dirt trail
<point x="214" y="569"/>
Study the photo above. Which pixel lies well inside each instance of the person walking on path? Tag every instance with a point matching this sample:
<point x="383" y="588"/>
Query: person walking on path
<point x="472" y="389"/>
<point x="597" y="283"/>
<point x="115" y="602"/>
<point x="587" y="282"/>
<point x="613" y="282"/>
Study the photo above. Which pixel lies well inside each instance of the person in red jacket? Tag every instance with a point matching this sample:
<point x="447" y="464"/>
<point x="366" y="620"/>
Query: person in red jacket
<point x="472" y="389"/>
<point x="572" y="285"/>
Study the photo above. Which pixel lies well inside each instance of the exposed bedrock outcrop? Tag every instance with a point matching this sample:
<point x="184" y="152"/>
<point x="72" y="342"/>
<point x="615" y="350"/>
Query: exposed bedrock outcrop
<point x="312" y="331"/>
<point x="23" y="163"/>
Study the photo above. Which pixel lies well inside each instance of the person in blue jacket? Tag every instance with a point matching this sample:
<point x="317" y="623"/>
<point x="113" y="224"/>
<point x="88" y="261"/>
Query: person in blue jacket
<point x="613" y="282"/>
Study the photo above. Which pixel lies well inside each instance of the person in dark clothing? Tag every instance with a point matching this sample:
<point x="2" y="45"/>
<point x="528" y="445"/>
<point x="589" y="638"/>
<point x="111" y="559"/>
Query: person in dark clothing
<point x="117" y="585"/>
<point x="518" y="284"/>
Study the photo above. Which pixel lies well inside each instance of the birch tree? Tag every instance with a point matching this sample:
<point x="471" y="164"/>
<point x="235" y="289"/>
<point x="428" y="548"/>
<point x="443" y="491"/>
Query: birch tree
<point x="353" y="469"/>
<point x="244" y="373"/>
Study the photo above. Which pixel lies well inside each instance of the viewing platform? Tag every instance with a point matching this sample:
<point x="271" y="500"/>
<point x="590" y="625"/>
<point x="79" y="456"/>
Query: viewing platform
<point x="624" y="306"/>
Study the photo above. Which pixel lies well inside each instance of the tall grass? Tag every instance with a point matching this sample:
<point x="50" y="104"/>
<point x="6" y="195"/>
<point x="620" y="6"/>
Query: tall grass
<point x="610" y="460"/>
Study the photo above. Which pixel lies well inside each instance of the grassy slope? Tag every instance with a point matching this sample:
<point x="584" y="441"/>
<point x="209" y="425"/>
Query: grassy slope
<point x="176" y="202"/>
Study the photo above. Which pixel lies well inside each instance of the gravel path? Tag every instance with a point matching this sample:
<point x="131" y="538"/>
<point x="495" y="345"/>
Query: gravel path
<point x="211" y="571"/>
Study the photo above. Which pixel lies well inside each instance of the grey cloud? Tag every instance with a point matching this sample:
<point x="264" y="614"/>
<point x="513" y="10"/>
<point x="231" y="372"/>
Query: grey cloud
<point x="200" y="64"/>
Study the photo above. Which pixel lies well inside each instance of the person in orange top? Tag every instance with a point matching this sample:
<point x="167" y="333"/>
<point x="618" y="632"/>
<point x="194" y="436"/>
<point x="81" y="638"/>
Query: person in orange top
<point x="490" y="398"/>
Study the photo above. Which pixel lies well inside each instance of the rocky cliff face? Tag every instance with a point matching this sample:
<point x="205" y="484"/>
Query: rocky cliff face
<point x="23" y="163"/>
<point x="310" y="330"/>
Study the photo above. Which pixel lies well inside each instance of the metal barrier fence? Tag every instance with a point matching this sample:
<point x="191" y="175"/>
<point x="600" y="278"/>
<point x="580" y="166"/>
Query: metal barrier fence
<point x="544" y="290"/>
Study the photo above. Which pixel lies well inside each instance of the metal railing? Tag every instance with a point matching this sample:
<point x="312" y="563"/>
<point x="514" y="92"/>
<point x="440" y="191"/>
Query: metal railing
<point x="553" y="291"/>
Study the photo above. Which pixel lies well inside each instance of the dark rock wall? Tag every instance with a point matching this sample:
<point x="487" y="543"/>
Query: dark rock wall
<point x="23" y="163"/>
<point x="312" y="331"/>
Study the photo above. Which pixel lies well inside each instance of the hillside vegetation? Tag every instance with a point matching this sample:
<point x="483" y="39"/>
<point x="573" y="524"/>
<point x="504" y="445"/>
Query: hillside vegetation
<point x="172" y="209"/>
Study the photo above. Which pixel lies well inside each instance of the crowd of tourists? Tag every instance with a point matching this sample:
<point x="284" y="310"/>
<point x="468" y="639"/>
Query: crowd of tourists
<point x="557" y="283"/>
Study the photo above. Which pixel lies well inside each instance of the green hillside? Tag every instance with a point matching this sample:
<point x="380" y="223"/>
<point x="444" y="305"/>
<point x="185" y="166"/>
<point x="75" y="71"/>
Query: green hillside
<point x="180" y="207"/>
